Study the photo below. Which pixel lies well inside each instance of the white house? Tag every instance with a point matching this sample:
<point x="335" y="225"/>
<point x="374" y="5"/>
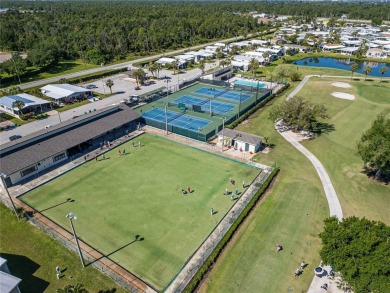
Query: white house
<point x="376" y="53"/>
<point x="31" y="104"/>
<point x="332" y="47"/>
<point x="349" y="51"/>
<point x="65" y="93"/>
<point x="240" y="140"/>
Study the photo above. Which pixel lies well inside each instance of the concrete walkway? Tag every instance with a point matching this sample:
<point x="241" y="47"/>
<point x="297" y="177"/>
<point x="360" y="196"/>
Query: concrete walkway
<point x="331" y="196"/>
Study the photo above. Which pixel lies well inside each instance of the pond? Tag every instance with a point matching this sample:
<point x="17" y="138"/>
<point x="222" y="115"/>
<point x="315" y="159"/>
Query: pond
<point x="344" y="64"/>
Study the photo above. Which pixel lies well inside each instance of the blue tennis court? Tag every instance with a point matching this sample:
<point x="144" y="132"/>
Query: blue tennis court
<point x="216" y="106"/>
<point x="177" y="119"/>
<point x="223" y="94"/>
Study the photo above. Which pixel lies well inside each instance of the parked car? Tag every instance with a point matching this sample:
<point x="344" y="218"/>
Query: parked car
<point x="91" y="86"/>
<point x="14" y="137"/>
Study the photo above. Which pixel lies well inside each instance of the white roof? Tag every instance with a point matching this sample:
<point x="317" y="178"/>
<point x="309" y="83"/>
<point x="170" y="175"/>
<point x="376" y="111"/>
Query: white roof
<point x="348" y="49"/>
<point x="220" y="44"/>
<point x="27" y="99"/>
<point x="258" y="42"/>
<point x="253" y="54"/>
<point x="242" y="58"/>
<point x="239" y="63"/>
<point x="165" y="60"/>
<point x="58" y="91"/>
<point x="211" y="48"/>
<point x="204" y="53"/>
<point x="8" y="282"/>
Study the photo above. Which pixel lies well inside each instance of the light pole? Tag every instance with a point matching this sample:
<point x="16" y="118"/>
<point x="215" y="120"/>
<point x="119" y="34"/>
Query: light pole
<point x="70" y="216"/>
<point x="104" y="89"/>
<point x="2" y="175"/>
<point x="239" y="107"/>
<point x="167" y="81"/>
<point x="223" y="127"/>
<point x="166" y="117"/>
<point x="59" y="117"/>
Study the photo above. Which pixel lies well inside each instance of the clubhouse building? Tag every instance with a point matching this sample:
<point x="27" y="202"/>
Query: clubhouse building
<point x="30" y="155"/>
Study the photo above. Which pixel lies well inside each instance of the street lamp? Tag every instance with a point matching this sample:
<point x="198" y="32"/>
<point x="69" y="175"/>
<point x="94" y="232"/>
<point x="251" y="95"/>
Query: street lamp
<point x="167" y="81"/>
<point x="70" y="216"/>
<point x="3" y="176"/>
<point x="166" y="117"/>
<point x="104" y="89"/>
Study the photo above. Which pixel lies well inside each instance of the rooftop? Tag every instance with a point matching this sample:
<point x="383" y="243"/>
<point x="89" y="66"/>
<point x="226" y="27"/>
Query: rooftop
<point x="27" y="99"/>
<point x="33" y="148"/>
<point x="241" y="136"/>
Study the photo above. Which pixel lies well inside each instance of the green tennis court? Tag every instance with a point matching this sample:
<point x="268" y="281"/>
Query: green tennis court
<point x="140" y="193"/>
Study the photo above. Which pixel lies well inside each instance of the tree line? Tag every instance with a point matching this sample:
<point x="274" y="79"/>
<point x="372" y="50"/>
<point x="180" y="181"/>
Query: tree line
<point x="104" y="31"/>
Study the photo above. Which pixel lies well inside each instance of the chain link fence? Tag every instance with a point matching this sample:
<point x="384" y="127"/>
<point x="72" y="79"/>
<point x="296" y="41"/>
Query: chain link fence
<point x="193" y="264"/>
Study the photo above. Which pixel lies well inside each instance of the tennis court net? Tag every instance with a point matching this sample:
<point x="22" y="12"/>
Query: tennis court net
<point x="175" y="117"/>
<point x="221" y="93"/>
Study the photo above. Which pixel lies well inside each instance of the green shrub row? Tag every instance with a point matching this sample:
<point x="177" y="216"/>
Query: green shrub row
<point x="95" y="76"/>
<point x="257" y="107"/>
<point x="195" y="281"/>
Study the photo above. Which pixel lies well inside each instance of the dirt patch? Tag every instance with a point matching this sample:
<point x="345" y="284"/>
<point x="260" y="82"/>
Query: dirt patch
<point x="341" y="84"/>
<point x="344" y="96"/>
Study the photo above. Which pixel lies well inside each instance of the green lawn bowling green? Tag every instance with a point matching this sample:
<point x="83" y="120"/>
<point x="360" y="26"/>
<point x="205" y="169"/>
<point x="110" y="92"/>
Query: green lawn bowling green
<point x="140" y="194"/>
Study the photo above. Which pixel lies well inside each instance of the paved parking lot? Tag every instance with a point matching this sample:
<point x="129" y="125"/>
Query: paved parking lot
<point x="123" y="88"/>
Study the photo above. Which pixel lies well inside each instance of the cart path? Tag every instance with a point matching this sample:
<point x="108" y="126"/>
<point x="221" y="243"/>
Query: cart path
<point x="331" y="195"/>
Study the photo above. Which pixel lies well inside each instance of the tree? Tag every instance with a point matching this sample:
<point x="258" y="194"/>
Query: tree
<point x="139" y="75"/>
<point x="295" y="76"/>
<point x="109" y="84"/>
<point x="376" y="21"/>
<point x="153" y="68"/>
<point x="374" y="147"/>
<point x="78" y="288"/>
<point x="202" y="65"/>
<point x="253" y="66"/>
<point x="19" y="105"/>
<point x="298" y="113"/>
<point x="360" y="250"/>
<point x="12" y="90"/>
<point x="16" y="66"/>
<point x="353" y="68"/>
<point x="225" y="62"/>
<point x="281" y="72"/>
<point x="383" y="70"/>
<point x="367" y="71"/>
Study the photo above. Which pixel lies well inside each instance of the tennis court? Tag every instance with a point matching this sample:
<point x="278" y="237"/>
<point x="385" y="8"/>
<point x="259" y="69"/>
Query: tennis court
<point x="223" y="94"/>
<point x="177" y="119"/>
<point x="216" y="106"/>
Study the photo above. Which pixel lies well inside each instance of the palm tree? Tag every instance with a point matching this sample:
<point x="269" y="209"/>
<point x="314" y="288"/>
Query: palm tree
<point x="266" y="57"/>
<point x="367" y="71"/>
<point x="253" y="65"/>
<point x="109" y="83"/>
<point x="202" y="65"/>
<point x="353" y="68"/>
<point x="139" y="75"/>
<point x="383" y="70"/>
<point x="12" y="90"/>
<point x="175" y="65"/>
<point x="19" y="105"/>
<point x="153" y="68"/>
<point x="225" y="62"/>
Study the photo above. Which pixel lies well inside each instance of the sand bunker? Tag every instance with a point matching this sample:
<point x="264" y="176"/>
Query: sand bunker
<point x="341" y="84"/>
<point x="343" y="96"/>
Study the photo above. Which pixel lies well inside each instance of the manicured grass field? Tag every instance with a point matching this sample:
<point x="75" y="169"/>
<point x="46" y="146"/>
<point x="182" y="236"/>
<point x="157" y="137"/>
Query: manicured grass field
<point x="291" y="214"/>
<point x="33" y="256"/>
<point x="140" y="194"/>
<point x="359" y="195"/>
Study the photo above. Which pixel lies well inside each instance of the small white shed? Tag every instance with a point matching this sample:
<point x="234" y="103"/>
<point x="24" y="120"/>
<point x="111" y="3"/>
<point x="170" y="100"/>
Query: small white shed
<point x="241" y="141"/>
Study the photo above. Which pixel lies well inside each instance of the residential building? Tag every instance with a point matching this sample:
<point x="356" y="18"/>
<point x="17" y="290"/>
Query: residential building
<point x="65" y="93"/>
<point x="376" y="53"/>
<point x="31" y="103"/>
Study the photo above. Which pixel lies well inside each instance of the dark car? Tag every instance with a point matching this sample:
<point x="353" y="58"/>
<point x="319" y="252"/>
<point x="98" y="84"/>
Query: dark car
<point x="91" y="86"/>
<point x="14" y="137"/>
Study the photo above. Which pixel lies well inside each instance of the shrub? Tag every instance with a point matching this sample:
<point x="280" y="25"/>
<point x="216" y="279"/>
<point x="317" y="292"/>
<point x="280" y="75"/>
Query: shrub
<point x="295" y="76"/>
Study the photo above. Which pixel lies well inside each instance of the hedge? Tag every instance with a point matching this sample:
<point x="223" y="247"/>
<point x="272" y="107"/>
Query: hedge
<point x="203" y="270"/>
<point x="257" y="107"/>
